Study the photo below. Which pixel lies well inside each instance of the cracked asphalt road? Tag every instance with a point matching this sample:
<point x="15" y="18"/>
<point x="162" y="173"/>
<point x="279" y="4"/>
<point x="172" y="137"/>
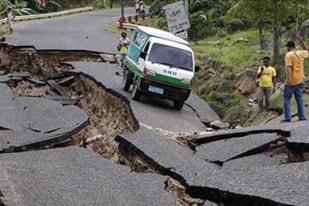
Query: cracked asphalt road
<point x="70" y="32"/>
<point x="262" y="181"/>
<point x="74" y="32"/>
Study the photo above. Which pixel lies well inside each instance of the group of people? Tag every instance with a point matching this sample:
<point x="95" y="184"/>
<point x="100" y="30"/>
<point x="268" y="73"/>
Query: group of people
<point x="294" y="84"/>
<point x="140" y="7"/>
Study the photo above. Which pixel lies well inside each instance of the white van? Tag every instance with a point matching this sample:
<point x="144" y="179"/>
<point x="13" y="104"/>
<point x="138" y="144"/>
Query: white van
<point x="159" y="63"/>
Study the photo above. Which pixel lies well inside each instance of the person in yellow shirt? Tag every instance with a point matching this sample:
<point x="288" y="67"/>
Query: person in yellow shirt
<point x="123" y="44"/>
<point x="267" y="83"/>
<point x="294" y="67"/>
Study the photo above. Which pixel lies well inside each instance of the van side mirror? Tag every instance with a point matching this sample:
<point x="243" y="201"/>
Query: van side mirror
<point x="197" y="68"/>
<point x="143" y="55"/>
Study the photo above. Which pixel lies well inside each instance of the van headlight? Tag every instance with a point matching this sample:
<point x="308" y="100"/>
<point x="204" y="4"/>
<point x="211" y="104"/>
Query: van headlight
<point x="186" y="81"/>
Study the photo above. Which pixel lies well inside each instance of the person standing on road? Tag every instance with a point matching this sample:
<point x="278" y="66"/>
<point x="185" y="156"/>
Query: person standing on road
<point x="123" y="44"/>
<point x="294" y="67"/>
<point x="142" y="9"/>
<point x="267" y="83"/>
<point x="10" y="18"/>
<point x="137" y="7"/>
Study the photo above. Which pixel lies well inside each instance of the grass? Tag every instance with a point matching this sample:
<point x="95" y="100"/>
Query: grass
<point x="116" y="30"/>
<point x="3" y="30"/>
<point x="230" y="50"/>
<point x="235" y="57"/>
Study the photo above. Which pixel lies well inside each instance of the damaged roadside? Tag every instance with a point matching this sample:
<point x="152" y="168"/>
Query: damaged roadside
<point x="45" y="75"/>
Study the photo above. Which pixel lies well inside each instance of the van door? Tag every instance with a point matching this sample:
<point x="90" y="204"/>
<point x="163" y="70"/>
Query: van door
<point x="137" y="43"/>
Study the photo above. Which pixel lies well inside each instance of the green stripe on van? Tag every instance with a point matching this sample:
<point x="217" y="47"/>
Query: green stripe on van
<point x="157" y="78"/>
<point x="168" y="80"/>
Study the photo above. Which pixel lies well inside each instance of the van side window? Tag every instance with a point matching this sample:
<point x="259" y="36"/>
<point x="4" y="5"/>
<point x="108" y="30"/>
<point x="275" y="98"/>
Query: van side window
<point x="134" y="36"/>
<point x="146" y="48"/>
<point x="140" y="39"/>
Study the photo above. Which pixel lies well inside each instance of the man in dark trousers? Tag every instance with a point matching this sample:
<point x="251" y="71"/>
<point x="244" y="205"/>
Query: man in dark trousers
<point x="294" y="84"/>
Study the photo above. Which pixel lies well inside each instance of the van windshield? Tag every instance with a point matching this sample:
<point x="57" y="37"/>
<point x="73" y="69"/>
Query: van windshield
<point x="171" y="56"/>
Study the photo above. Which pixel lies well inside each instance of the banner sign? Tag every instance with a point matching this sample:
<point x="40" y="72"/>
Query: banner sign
<point x="176" y="17"/>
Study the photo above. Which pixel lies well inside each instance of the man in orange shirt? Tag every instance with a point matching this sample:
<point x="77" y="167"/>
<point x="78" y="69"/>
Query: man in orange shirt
<point x="294" y="65"/>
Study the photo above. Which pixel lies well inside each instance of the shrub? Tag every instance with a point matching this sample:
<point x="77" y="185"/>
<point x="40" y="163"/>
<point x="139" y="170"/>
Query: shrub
<point x="161" y="23"/>
<point x="235" y="25"/>
<point x="2" y="8"/>
<point x="201" y="26"/>
<point x="99" y="4"/>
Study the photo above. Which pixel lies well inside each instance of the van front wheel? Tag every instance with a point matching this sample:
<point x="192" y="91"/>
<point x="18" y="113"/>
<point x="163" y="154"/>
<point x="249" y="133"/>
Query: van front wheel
<point x="178" y="104"/>
<point x="127" y="80"/>
<point x="136" y="93"/>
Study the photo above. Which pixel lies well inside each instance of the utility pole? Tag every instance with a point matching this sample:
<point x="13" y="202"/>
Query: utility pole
<point x="122" y="9"/>
<point x="186" y="3"/>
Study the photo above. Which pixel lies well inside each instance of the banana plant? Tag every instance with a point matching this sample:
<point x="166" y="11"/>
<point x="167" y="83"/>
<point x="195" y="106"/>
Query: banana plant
<point x="20" y="7"/>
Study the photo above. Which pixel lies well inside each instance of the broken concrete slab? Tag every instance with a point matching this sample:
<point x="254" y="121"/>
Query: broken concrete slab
<point x="6" y="95"/>
<point x="46" y="115"/>
<point x="36" y="122"/>
<point x="241" y="132"/>
<point x="13" y="77"/>
<point x="24" y="140"/>
<point x="208" y="203"/>
<point x="253" y="161"/>
<point x="161" y="154"/>
<point x="203" y="110"/>
<point x="11" y="139"/>
<point x="19" y="74"/>
<point x="283" y="185"/>
<point x="63" y="100"/>
<point x="299" y="138"/>
<point x="36" y="81"/>
<point x="66" y="81"/>
<point x="53" y="84"/>
<point x="227" y="149"/>
<point x="76" y="176"/>
<point x="41" y="115"/>
<point x="218" y="124"/>
<point x="111" y="58"/>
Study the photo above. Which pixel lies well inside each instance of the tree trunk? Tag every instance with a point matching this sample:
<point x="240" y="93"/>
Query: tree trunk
<point x="261" y="33"/>
<point x="276" y="49"/>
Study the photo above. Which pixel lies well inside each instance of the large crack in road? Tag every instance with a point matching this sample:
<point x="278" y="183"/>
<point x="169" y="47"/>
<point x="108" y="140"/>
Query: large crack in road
<point x="112" y="131"/>
<point x="44" y="74"/>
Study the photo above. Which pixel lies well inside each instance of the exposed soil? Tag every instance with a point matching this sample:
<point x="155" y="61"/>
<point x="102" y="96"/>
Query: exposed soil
<point x="25" y="88"/>
<point x="109" y="117"/>
<point x="179" y="191"/>
<point x="109" y="113"/>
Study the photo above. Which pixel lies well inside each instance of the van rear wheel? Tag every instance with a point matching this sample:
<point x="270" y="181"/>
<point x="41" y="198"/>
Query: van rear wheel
<point x="136" y="93"/>
<point x="127" y="80"/>
<point x="178" y="104"/>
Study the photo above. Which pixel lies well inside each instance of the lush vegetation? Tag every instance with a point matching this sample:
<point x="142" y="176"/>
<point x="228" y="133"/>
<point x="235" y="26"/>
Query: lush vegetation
<point x="229" y="38"/>
<point x="22" y="7"/>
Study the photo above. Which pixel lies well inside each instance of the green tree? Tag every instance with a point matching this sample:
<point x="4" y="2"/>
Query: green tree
<point x="263" y="12"/>
<point x="20" y="7"/>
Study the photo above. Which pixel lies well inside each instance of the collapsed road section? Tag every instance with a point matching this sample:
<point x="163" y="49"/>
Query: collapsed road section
<point x="252" y="172"/>
<point x="61" y="108"/>
<point x="53" y="118"/>
<point x="105" y="112"/>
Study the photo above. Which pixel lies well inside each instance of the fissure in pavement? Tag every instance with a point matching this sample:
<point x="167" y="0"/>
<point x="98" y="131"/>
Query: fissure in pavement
<point x="110" y="115"/>
<point x="45" y="74"/>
